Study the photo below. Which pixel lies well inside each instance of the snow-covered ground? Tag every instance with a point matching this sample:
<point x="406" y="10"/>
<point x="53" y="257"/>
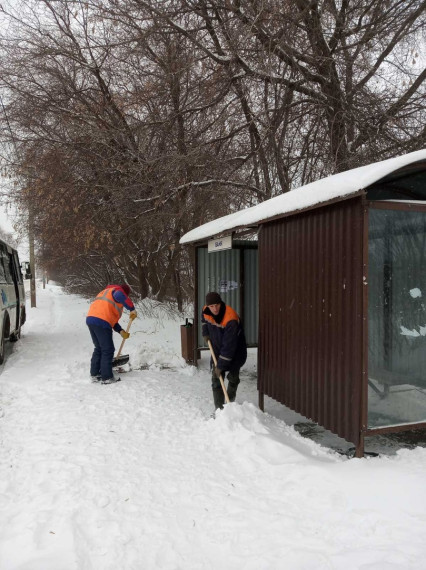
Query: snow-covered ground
<point x="137" y="476"/>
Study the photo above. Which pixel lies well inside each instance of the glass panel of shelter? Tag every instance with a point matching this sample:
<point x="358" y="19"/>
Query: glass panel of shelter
<point x="396" y="318"/>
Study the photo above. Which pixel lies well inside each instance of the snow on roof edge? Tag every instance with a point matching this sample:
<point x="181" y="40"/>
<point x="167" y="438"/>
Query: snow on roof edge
<point x="338" y="185"/>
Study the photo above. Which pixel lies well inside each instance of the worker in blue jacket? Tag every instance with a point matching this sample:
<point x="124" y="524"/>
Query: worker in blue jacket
<point x="222" y="326"/>
<point x="102" y="318"/>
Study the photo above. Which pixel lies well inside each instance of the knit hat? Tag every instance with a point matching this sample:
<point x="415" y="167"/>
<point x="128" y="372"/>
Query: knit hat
<point x="213" y="298"/>
<point x="125" y="288"/>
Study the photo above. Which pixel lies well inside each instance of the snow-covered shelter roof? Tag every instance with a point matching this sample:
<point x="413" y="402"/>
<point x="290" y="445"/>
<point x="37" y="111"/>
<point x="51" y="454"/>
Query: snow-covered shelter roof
<point x="337" y="187"/>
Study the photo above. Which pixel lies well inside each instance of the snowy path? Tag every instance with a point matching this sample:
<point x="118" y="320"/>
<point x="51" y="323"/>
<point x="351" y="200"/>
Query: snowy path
<point x="134" y="476"/>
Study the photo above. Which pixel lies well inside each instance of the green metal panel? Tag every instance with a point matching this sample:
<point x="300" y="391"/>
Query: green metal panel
<point x="251" y="295"/>
<point x="221" y="271"/>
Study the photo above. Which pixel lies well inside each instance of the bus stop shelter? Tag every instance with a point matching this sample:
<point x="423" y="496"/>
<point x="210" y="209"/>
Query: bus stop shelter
<point x="342" y="297"/>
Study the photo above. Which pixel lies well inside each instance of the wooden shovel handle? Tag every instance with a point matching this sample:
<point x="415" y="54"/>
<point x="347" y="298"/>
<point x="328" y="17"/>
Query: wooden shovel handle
<point x="122" y="342"/>
<point x="222" y="383"/>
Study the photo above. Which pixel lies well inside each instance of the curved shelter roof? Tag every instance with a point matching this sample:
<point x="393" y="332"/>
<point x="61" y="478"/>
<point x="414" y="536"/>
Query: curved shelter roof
<point x="333" y="188"/>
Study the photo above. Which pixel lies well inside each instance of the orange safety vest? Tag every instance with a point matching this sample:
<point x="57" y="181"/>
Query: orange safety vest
<point x="105" y="307"/>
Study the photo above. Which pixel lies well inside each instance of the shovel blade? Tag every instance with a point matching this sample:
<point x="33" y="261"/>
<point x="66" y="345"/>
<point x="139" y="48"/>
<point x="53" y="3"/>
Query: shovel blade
<point x="120" y="360"/>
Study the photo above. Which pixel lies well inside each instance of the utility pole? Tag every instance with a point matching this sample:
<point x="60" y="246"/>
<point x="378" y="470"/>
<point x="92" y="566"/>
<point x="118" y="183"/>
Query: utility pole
<point x="32" y="257"/>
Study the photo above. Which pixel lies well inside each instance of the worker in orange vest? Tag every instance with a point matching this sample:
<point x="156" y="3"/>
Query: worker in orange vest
<point x="103" y="316"/>
<point x="222" y="326"/>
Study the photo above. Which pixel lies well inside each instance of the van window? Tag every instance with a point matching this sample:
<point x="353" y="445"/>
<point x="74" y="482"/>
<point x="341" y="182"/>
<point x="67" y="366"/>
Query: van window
<point x="2" y="270"/>
<point x="7" y="260"/>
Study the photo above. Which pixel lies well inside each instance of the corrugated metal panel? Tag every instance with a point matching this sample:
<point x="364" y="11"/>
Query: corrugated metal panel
<point x="219" y="271"/>
<point x="311" y="315"/>
<point x="234" y="274"/>
<point x="251" y="295"/>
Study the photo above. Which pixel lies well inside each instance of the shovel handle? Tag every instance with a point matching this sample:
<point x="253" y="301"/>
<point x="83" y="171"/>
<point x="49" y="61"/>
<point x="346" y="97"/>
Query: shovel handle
<point x="222" y="383"/>
<point x="122" y="342"/>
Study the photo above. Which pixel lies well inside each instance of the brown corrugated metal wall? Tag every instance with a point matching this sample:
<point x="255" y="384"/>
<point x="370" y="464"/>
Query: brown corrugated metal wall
<point x="311" y="314"/>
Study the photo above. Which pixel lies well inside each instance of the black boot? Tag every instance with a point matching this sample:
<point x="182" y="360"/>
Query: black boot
<point x="232" y="391"/>
<point x="218" y="398"/>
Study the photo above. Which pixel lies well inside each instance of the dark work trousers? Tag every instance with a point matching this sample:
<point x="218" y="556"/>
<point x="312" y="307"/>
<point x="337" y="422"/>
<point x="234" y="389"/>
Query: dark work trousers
<point x="103" y="353"/>
<point x="233" y="381"/>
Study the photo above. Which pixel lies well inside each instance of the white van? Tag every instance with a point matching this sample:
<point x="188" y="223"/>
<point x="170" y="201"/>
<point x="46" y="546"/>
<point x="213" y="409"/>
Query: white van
<point x="12" y="296"/>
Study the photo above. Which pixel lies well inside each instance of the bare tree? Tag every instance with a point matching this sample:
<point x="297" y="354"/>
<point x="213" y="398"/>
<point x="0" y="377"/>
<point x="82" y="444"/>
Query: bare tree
<point x="139" y="120"/>
<point x="352" y="65"/>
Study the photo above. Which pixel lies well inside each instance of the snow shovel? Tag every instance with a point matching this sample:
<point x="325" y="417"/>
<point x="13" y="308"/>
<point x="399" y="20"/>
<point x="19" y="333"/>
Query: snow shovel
<point x="222" y="383"/>
<point x="123" y="359"/>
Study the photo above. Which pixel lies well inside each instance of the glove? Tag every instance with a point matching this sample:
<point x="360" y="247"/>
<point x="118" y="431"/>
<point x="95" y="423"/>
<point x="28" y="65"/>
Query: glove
<point x="218" y="372"/>
<point x="206" y="339"/>
<point x="133" y="315"/>
<point x="124" y="334"/>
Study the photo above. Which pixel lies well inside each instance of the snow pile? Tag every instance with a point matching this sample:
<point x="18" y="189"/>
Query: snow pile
<point x="137" y="476"/>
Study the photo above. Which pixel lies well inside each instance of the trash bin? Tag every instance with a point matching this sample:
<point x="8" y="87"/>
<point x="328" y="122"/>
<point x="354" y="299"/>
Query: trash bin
<point x="187" y="341"/>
